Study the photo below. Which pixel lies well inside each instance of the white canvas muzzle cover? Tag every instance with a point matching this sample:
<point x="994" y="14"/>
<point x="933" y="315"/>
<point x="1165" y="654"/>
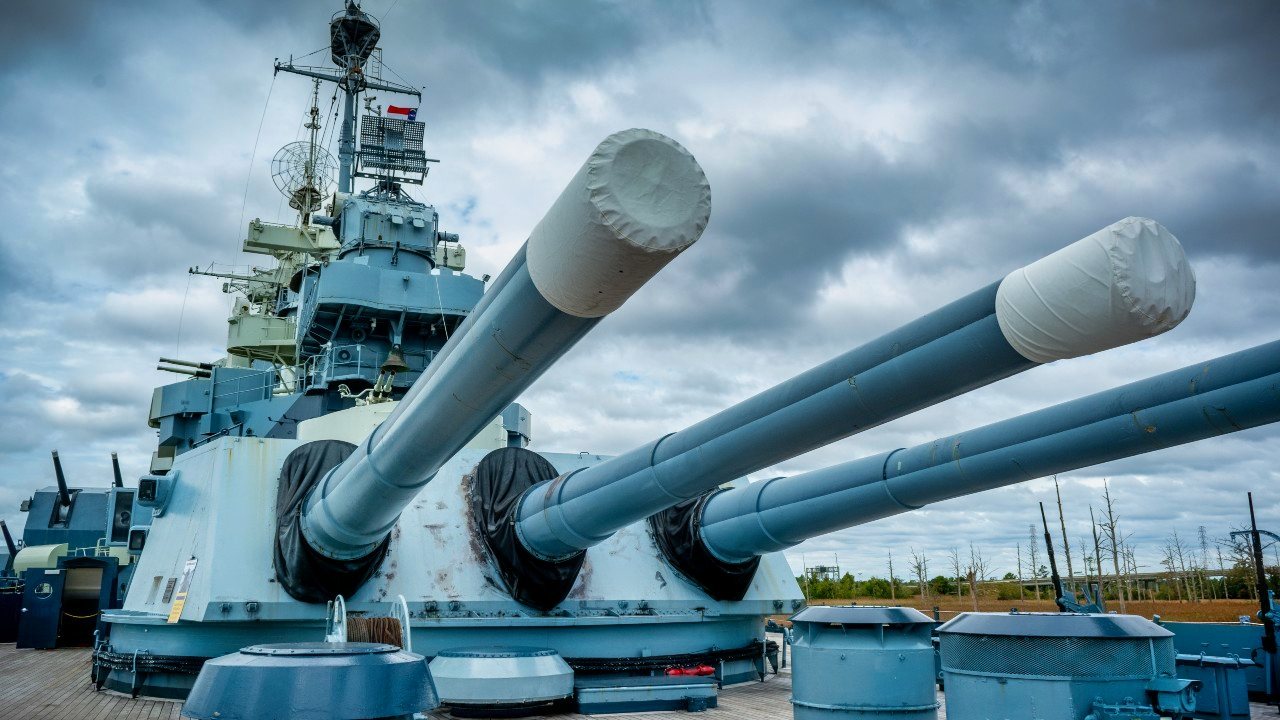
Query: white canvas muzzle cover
<point x="1126" y="282"/>
<point x="637" y="202"/>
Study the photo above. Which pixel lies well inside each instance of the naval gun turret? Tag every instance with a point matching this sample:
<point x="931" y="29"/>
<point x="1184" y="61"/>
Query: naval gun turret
<point x="672" y="564"/>
<point x="611" y="230"/>
<point x="399" y="469"/>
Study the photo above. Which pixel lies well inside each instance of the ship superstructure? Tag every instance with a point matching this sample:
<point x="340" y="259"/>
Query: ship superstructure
<point x="362" y="292"/>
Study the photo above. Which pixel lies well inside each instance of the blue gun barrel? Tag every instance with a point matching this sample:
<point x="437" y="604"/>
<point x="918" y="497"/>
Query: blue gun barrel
<point x="115" y="470"/>
<point x="1124" y="283"/>
<point x="1221" y="396"/>
<point x="64" y="495"/>
<point x="638" y="201"/>
<point x="9" y="546"/>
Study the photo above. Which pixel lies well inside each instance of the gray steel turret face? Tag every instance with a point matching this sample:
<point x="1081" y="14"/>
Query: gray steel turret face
<point x="638" y="201"/>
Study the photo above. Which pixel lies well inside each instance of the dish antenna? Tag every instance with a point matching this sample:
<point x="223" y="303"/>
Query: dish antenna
<point x="303" y="171"/>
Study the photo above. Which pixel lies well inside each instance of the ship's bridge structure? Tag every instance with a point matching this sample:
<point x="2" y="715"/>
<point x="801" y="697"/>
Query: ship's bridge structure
<point x="365" y="290"/>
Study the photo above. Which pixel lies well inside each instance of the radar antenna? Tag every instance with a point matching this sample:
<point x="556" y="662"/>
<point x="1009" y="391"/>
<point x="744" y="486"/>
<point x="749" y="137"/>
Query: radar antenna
<point x="302" y="170"/>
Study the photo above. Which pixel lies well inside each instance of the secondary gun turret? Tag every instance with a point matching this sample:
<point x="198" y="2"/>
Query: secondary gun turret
<point x="637" y="202"/>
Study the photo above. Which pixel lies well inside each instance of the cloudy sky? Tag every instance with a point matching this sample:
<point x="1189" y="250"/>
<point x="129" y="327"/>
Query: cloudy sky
<point x="868" y="162"/>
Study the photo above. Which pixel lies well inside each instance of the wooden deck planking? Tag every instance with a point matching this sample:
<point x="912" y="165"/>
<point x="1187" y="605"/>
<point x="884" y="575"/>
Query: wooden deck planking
<point x="54" y="685"/>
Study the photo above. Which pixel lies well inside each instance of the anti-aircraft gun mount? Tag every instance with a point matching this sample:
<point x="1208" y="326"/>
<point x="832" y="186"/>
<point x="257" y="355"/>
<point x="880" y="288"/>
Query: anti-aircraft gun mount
<point x="75" y="556"/>
<point x="274" y="496"/>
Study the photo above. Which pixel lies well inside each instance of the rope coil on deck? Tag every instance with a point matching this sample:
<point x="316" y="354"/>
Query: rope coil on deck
<point x="374" y="630"/>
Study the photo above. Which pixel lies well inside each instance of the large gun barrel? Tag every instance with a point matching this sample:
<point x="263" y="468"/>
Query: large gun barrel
<point x="637" y="202"/>
<point x="64" y="495"/>
<point x="118" y="479"/>
<point x="1231" y="393"/>
<point x="8" y="543"/>
<point x="1124" y="283"/>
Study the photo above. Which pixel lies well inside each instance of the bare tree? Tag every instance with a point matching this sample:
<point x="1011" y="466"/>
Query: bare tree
<point x="1180" y="553"/>
<point x="1131" y="561"/>
<point x="1022" y="589"/>
<point x="893" y="591"/>
<point x="1062" y="522"/>
<point x="805" y="565"/>
<point x="1123" y="563"/>
<point x="1170" y="562"/>
<point x="1088" y="565"/>
<point x="1033" y="550"/>
<point x="1194" y="572"/>
<point x="957" y="569"/>
<point x="977" y="570"/>
<point x="1111" y="532"/>
<point x="920" y="568"/>
<point x="1097" y="554"/>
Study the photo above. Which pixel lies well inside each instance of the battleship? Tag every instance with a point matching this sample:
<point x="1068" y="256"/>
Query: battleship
<point x="343" y="517"/>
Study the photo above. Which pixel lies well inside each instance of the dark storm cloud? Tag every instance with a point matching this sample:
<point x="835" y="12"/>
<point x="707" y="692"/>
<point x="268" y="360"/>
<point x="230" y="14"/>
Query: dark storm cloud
<point x="801" y="208"/>
<point x="527" y="40"/>
<point x="786" y="223"/>
<point x="1117" y="104"/>
<point x="42" y="32"/>
<point x="1157" y="76"/>
<point x="184" y="220"/>
<point x="488" y="55"/>
<point x="1147" y="46"/>
<point x="15" y="273"/>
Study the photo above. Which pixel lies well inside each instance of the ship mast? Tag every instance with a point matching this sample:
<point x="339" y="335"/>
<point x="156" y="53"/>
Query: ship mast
<point x="313" y="128"/>
<point x="353" y="36"/>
